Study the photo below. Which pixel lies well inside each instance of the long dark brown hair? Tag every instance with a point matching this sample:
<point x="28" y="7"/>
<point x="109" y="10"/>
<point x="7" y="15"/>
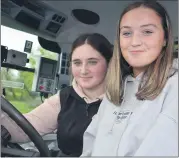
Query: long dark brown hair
<point x="95" y="40"/>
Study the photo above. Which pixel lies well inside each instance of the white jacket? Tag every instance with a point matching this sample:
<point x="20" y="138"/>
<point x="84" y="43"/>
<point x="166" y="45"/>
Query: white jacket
<point x="136" y="128"/>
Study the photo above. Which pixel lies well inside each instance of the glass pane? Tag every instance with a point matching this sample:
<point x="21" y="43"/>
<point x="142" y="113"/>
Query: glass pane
<point x="18" y="84"/>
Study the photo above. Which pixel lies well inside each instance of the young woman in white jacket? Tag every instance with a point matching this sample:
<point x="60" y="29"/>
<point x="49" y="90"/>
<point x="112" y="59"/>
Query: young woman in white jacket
<point x="139" y="114"/>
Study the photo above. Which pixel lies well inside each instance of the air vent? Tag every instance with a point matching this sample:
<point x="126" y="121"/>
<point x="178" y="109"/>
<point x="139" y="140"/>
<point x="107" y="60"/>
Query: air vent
<point x="58" y="18"/>
<point x="54" y="17"/>
<point x="62" y="20"/>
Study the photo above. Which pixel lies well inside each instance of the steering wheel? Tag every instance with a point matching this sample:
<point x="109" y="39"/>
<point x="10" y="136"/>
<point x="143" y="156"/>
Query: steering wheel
<point x="35" y="137"/>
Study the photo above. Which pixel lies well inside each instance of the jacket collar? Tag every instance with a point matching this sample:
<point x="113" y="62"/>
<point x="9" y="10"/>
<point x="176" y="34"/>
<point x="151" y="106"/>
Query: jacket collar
<point x="78" y="89"/>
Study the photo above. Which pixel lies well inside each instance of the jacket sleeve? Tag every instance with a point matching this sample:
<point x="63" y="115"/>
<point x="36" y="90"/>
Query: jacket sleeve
<point x="90" y="133"/>
<point x="162" y="139"/>
<point x="43" y="118"/>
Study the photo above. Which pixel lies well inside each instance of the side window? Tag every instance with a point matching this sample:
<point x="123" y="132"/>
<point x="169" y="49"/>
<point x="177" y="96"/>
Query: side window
<point x="17" y="85"/>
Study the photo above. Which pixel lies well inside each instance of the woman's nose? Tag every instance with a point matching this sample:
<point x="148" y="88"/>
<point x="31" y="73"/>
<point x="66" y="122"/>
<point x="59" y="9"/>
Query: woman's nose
<point x="136" y="40"/>
<point x="84" y="69"/>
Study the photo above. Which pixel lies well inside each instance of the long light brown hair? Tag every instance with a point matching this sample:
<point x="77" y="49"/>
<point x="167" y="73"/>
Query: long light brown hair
<point x="156" y="74"/>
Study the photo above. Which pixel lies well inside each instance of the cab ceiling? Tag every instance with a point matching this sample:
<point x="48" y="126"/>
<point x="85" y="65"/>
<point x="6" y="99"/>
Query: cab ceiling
<point x="109" y="12"/>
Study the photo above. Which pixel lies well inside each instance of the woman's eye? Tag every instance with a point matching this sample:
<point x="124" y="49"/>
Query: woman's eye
<point x="92" y="62"/>
<point x="77" y="63"/>
<point x="147" y="32"/>
<point x="126" y="34"/>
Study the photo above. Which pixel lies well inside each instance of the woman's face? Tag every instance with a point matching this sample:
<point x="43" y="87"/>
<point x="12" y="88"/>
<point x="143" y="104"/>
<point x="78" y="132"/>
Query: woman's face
<point x="141" y="38"/>
<point x="89" y="67"/>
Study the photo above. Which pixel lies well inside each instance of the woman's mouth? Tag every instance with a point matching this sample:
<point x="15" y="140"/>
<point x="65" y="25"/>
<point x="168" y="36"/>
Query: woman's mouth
<point x="136" y="51"/>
